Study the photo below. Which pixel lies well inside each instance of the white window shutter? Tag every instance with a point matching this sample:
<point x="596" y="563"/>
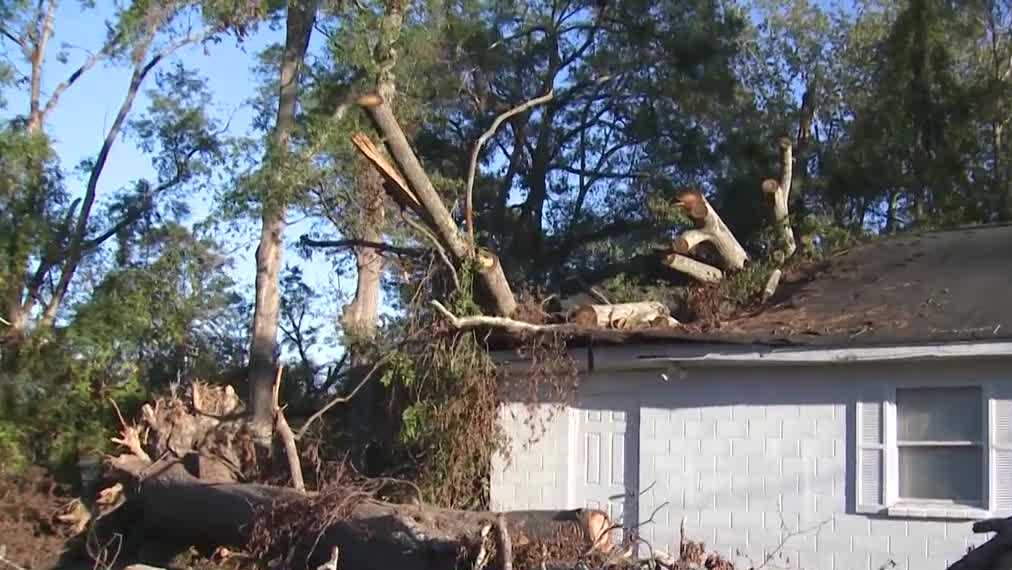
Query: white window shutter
<point x="870" y="453"/>
<point x="1001" y="452"/>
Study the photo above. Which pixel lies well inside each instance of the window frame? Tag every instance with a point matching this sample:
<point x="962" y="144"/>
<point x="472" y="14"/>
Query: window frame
<point x="896" y="506"/>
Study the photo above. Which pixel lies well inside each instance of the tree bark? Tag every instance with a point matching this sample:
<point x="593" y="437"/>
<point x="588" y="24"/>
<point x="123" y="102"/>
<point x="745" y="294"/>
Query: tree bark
<point x="695" y="269"/>
<point x="709" y="228"/>
<point x="299" y="27"/>
<point x="808" y="104"/>
<point x="373" y="536"/>
<point x="499" y="296"/>
<point x="781" y="192"/>
<point x="624" y="315"/>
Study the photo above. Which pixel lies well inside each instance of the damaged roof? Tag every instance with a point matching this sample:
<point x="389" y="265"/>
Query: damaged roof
<point x="939" y="286"/>
<point x="916" y="288"/>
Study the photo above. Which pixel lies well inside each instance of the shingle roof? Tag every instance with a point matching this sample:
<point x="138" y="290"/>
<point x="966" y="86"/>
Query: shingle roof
<point x="915" y="288"/>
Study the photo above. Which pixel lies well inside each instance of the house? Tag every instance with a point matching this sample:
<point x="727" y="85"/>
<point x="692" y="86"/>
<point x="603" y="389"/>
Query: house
<point x="863" y="417"/>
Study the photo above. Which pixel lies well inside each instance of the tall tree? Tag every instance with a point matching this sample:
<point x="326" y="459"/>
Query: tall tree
<point x="300" y="18"/>
<point x="46" y="236"/>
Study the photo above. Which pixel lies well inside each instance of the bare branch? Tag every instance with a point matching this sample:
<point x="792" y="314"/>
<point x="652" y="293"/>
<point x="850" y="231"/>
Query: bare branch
<point x="378" y="246"/>
<point x="18" y="40"/>
<point x="476" y="151"/>
<point x="438" y="247"/>
<point x="287" y="437"/>
<point x="512" y="325"/>
<point x="93" y="59"/>
<point x="343" y="399"/>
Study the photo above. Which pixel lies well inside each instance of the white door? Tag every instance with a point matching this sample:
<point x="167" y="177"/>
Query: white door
<point x="605" y="473"/>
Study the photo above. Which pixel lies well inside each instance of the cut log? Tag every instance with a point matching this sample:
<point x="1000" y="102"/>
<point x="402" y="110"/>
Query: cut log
<point x="781" y="192"/>
<point x="696" y="269"/>
<point x="624" y="315"/>
<point x="373" y="536"/>
<point x="771" y="284"/>
<point x="709" y="228"/>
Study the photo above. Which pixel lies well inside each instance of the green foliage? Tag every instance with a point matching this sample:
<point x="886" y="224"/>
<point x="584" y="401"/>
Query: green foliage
<point x="744" y="287"/>
<point x="13" y="447"/>
<point x="447" y="427"/>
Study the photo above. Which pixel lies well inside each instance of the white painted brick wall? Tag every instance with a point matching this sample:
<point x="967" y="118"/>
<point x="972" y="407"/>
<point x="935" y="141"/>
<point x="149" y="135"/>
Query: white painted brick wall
<point x="536" y="475"/>
<point x="746" y="455"/>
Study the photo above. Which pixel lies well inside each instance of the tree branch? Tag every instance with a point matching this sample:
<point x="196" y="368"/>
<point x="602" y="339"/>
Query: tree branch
<point x="438" y="247"/>
<point x="342" y="399"/>
<point x="67" y="83"/>
<point x="76" y="249"/>
<point x="287" y="437"/>
<point x="10" y="35"/>
<point x="378" y="246"/>
<point x="781" y="192"/>
<point x="476" y="151"/>
<point x="38" y="56"/>
<point x="512" y="325"/>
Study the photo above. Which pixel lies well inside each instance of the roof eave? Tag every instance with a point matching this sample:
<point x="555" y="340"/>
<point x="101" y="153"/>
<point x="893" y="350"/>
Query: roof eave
<point x="661" y="356"/>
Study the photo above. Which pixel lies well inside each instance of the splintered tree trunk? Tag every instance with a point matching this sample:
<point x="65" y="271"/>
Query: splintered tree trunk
<point x="300" y="19"/>
<point x="182" y="460"/>
<point x="498" y="298"/>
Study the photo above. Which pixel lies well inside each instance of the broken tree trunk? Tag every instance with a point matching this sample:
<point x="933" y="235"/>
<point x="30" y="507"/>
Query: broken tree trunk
<point x="500" y="298"/>
<point x="709" y="228"/>
<point x="781" y="192"/>
<point x="624" y="315"/>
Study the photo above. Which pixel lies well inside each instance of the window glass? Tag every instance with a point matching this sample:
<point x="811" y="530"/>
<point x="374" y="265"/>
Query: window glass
<point x="947" y="473"/>
<point x="938" y="414"/>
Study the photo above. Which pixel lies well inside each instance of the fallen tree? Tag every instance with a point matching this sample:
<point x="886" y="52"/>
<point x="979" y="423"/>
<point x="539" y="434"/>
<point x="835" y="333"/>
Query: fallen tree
<point x="185" y="466"/>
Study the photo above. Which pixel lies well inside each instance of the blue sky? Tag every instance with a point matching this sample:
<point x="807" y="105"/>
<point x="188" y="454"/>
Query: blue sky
<point x="79" y="123"/>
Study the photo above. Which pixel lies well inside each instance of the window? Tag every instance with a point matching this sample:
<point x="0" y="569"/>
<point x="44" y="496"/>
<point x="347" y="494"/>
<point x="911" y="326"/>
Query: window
<point x="934" y="451"/>
<point x="940" y="444"/>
